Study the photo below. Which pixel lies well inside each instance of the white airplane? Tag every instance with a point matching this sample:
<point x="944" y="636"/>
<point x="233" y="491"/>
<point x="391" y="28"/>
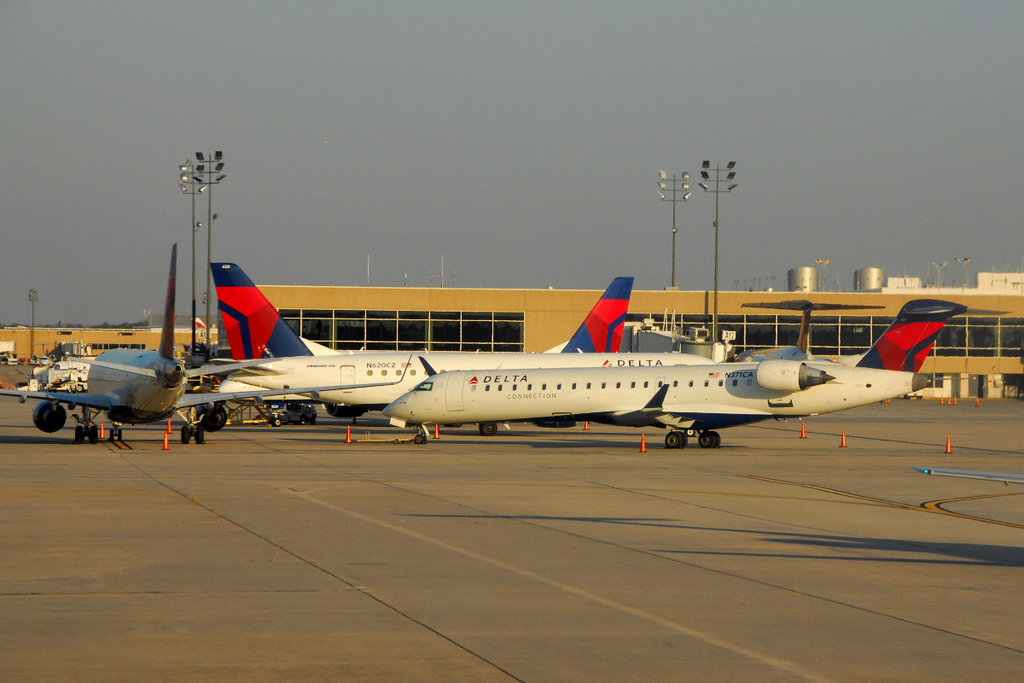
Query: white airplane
<point x="136" y="387"/>
<point x="252" y="323"/>
<point x="720" y="396"/>
<point x="688" y="400"/>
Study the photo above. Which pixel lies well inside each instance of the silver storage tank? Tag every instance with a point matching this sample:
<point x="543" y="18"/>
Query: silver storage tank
<point x="803" y="279"/>
<point x="867" y="279"/>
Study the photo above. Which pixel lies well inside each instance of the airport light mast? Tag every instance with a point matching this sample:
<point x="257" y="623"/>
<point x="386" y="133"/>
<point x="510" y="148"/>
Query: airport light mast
<point x="33" y="297"/>
<point x="717" y="181"/>
<point x="823" y="262"/>
<point x="963" y="277"/>
<point x="188" y="186"/>
<point x="674" y="189"/>
<point x="207" y="173"/>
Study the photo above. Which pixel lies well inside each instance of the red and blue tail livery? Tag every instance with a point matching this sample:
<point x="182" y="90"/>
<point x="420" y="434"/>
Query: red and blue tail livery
<point x="910" y="338"/>
<point x="254" y="327"/>
<point x="601" y="332"/>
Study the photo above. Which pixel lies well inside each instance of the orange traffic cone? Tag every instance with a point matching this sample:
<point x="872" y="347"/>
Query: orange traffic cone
<point x="586" y="426"/>
<point x="842" y="440"/>
<point x="949" y="444"/>
<point x="169" y="430"/>
<point x="103" y="430"/>
<point x="803" y="430"/>
<point x="437" y="431"/>
<point x="643" y="443"/>
<point x="167" y="442"/>
<point x="977" y="403"/>
<point x="956" y="401"/>
<point x="348" y="433"/>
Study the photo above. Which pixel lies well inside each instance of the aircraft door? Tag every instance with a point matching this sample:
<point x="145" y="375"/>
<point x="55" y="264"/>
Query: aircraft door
<point x="348" y="375"/>
<point x="453" y="395"/>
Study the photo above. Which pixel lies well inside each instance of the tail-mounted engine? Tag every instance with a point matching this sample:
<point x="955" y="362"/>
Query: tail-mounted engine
<point x="789" y="375"/>
<point x="49" y="417"/>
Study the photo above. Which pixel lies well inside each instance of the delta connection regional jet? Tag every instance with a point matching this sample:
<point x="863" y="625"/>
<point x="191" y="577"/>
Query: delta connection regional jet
<point x="136" y="387"/>
<point x="690" y="400"/>
<point x="255" y="328"/>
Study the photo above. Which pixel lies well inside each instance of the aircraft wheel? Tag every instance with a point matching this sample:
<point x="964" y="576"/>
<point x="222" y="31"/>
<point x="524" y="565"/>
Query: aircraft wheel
<point x="675" y="440"/>
<point x="79" y="434"/>
<point x="186" y="433"/>
<point x="706" y="440"/>
<point x="488" y="428"/>
<point x="275" y="422"/>
<point x="93" y="434"/>
<point x="718" y="439"/>
<point x="200" y="435"/>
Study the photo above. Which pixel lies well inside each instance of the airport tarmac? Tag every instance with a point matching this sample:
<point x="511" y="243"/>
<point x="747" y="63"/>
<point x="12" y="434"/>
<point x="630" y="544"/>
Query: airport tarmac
<point x="536" y="555"/>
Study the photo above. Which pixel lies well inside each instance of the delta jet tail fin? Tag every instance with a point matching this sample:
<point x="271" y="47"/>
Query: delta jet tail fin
<point x="601" y="331"/>
<point x="255" y="329"/>
<point x="167" y="333"/>
<point x="907" y="342"/>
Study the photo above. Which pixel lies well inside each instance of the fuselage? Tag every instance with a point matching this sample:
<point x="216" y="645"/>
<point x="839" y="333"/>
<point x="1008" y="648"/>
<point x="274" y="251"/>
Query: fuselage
<point x="698" y="397"/>
<point x="363" y="367"/>
<point x="138" y="398"/>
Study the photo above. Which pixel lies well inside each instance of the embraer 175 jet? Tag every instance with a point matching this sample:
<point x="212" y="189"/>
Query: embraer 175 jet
<point x="255" y="326"/>
<point x="689" y="401"/>
<point x="136" y="387"/>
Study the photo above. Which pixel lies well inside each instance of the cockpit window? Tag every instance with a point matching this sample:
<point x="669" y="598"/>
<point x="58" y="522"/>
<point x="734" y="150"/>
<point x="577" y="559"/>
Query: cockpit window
<point x="425" y="386"/>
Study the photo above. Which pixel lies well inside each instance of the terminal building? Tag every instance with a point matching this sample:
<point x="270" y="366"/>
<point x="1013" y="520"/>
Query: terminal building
<point x="976" y="355"/>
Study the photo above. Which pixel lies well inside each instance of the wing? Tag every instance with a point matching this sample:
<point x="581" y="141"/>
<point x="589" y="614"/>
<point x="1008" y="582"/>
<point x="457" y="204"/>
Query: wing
<point x="1005" y="477"/>
<point x="99" y="401"/>
<point x="189" y="400"/>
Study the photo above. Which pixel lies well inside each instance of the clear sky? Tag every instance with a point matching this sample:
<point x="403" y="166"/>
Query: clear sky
<point x="519" y="141"/>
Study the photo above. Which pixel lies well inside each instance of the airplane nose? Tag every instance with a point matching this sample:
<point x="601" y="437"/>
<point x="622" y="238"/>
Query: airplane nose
<point x="921" y="381"/>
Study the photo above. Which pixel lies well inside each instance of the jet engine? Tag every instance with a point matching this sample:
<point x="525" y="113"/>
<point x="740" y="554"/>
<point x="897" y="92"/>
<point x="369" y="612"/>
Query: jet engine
<point x="789" y="375"/>
<point x="49" y="417"/>
<point x="339" y="410"/>
<point x="555" y="422"/>
<point x="214" y="418"/>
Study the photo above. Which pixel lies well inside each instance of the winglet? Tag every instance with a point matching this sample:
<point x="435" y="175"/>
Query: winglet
<point x="167" y="334"/>
<point x="601" y="331"/>
<point x="255" y="329"/>
<point x="427" y="367"/>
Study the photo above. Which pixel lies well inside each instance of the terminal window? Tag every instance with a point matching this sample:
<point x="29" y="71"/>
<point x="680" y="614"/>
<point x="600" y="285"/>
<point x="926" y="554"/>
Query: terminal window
<point x="388" y="330"/>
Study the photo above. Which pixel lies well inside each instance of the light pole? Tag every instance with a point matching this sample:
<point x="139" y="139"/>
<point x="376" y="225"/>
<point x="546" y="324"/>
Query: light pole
<point x="823" y="262"/>
<point x="678" y="190"/>
<point x="188" y="186"/>
<point x="207" y="172"/>
<point x="938" y="270"/>
<point x="33" y="297"/>
<point x="717" y="181"/>
<point x="963" y="277"/>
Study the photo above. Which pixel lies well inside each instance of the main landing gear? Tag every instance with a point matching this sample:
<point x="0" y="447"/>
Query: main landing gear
<point x="87" y="428"/>
<point x="705" y="439"/>
<point x="189" y="432"/>
<point x="91" y="432"/>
